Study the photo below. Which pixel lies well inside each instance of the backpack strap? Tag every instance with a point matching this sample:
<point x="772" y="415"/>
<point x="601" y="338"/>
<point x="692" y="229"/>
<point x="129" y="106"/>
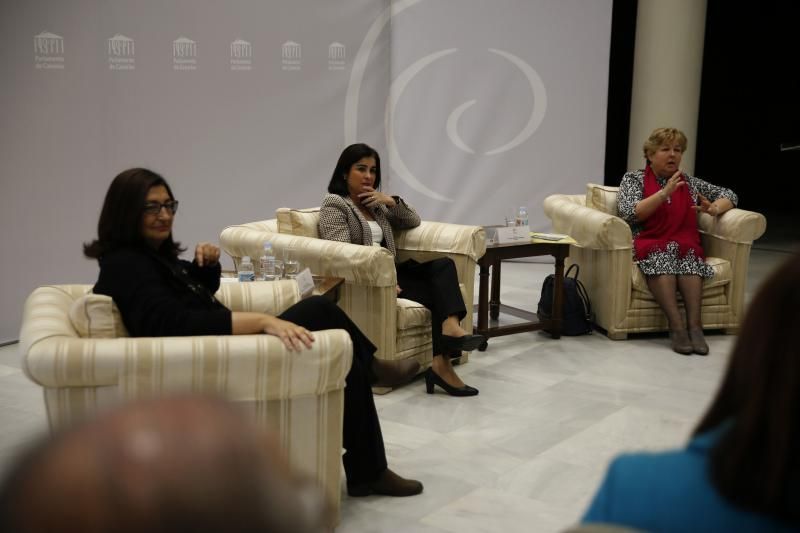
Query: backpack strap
<point x="577" y="271"/>
<point x="587" y="304"/>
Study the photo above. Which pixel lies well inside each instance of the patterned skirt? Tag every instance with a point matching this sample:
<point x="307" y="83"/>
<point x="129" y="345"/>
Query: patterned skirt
<point x="669" y="261"/>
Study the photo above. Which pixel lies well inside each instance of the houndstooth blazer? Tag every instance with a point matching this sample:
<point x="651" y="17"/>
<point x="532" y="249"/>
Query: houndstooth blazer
<point x="341" y="220"/>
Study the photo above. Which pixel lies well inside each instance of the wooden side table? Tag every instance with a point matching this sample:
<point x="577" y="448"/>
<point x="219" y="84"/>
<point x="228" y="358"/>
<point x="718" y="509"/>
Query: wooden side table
<point x="495" y="253"/>
<point x="329" y="287"/>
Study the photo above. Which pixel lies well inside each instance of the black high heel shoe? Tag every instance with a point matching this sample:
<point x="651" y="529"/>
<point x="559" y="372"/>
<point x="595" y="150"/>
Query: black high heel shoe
<point x="466" y="343"/>
<point x="432" y="378"/>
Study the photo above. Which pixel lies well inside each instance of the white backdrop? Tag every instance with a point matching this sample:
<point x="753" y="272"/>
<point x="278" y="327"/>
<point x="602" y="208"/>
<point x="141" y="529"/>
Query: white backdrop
<point x="244" y="106"/>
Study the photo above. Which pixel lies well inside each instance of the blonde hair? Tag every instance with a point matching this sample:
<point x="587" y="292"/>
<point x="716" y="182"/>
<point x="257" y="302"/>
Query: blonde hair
<point x="661" y="136"/>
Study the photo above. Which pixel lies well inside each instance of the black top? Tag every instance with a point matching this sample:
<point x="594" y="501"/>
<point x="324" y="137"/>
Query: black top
<point x="161" y="297"/>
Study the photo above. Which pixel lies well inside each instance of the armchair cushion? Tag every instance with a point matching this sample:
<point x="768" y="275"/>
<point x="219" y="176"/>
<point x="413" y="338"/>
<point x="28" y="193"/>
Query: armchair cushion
<point x="96" y="316"/>
<point x="602" y="197"/>
<point x="411" y="314"/>
<point x="722" y="276"/>
<point x="302" y="222"/>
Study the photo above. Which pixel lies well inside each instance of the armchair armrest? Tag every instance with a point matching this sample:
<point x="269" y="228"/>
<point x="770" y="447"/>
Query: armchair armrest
<point x="735" y="225"/>
<point x="445" y="238"/>
<point x="362" y="265"/>
<point x="590" y="227"/>
<point x="272" y="297"/>
<point x="241" y="367"/>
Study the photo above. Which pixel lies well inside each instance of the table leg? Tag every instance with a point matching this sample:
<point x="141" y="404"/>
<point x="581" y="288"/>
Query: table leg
<point x="494" y="303"/>
<point x="558" y="299"/>
<point x="483" y="296"/>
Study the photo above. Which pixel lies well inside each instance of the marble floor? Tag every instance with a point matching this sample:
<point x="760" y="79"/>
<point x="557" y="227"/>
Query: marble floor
<point x="529" y="451"/>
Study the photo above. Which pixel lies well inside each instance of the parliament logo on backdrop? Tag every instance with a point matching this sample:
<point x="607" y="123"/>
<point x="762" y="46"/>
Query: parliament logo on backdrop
<point x="291" y="56"/>
<point x="336" y="56"/>
<point x="48" y="51"/>
<point x="121" y="52"/>
<point x="184" y="54"/>
<point x="241" y="55"/>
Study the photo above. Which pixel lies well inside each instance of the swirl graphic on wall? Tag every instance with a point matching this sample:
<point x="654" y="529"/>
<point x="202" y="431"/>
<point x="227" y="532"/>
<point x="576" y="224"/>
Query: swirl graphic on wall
<point x="398" y="86"/>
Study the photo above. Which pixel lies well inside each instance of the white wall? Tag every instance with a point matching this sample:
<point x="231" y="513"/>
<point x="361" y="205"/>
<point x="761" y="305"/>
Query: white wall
<point x="237" y="144"/>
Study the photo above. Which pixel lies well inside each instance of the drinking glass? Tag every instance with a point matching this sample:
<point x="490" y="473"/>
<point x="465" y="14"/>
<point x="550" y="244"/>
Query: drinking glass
<point x="291" y="266"/>
<point x="278" y="269"/>
<point x="511" y="217"/>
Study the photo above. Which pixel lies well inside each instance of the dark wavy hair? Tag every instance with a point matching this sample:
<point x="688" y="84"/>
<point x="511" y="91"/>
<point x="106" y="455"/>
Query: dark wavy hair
<point x="755" y="464"/>
<point x="120" y="222"/>
<point x="350" y="156"/>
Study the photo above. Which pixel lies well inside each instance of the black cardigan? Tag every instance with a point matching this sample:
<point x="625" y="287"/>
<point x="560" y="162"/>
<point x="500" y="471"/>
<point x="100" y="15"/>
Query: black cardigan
<point x="155" y="296"/>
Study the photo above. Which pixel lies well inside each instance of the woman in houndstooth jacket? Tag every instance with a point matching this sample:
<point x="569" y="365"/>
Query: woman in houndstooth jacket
<point x="356" y="211"/>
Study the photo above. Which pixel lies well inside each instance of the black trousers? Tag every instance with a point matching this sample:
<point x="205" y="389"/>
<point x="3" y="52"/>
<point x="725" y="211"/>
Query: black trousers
<point x="365" y="457"/>
<point x="433" y="284"/>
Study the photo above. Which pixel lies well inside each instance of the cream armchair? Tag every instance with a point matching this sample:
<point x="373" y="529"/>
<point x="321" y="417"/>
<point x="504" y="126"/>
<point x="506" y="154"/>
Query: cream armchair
<point x="75" y="347"/>
<point x="617" y="289"/>
<point x="399" y="328"/>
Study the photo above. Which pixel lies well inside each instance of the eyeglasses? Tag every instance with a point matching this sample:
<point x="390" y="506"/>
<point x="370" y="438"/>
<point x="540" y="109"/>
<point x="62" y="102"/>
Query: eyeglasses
<point x="154" y="208"/>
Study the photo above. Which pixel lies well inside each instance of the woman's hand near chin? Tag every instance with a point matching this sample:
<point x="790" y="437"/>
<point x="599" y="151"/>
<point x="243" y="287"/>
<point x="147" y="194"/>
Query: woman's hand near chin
<point x="371" y="198"/>
<point x="674" y="182"/>
<point x="206" y="254"/>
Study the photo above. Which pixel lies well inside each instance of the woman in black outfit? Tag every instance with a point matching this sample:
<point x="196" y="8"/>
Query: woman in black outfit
<point x="160" y="295"/>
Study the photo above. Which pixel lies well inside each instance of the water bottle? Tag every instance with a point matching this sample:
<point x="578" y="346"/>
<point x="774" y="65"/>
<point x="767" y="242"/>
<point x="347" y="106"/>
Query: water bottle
<point x="246" y="272"/>
<point x="522" y="216"/>
<point x="267" y="262"/>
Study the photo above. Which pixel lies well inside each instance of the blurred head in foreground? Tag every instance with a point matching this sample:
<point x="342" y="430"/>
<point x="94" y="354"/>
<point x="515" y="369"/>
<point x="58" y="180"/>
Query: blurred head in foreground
<point x="172" y="464"/>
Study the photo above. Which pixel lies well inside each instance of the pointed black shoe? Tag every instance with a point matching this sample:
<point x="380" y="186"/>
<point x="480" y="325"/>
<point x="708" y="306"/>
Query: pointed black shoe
<point x="467" y="343"/>
<point x="432" y="378"/>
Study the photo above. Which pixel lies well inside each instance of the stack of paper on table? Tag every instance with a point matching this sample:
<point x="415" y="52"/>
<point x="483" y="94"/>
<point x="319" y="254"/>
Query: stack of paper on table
<point x="552" y="237"/>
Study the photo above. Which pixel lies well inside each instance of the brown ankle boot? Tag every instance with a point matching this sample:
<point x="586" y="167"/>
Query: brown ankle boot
<point x="699" y="345"/>
<point x="387" y="484"/>
<point x="393" y="373"/>
<point x="680" y="342"/>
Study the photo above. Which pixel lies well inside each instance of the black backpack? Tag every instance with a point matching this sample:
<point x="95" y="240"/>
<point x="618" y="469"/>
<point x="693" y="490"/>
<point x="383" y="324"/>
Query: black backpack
<point x="577" y="308"/>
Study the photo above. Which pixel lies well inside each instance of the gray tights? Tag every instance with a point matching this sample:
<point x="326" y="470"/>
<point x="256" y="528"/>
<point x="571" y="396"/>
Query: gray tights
<point x="665" y="288"/>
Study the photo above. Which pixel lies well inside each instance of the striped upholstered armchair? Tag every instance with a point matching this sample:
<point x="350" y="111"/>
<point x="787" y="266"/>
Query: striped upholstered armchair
<point x="75" y="346"/>
<point x="620" y="298"/>
<point x="400" y="328"/>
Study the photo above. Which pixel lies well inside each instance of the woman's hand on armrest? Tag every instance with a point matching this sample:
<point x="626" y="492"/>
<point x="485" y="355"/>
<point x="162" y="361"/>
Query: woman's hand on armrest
<point x="715" y="208"/>
<point x="294" y="337"/>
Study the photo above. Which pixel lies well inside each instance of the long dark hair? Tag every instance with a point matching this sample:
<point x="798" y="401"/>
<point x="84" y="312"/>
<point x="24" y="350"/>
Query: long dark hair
<point x="120" y="222"/>
<point x="755" y="464"/>
<point x="350" y="156"/>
